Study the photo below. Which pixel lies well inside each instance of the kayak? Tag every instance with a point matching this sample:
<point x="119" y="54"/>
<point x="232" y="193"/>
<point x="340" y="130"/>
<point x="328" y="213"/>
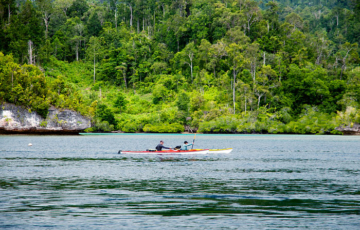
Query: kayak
<point x="167" y="152"/>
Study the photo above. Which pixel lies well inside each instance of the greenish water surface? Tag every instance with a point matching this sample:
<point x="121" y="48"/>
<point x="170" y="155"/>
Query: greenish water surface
<point x="268" y="181"/>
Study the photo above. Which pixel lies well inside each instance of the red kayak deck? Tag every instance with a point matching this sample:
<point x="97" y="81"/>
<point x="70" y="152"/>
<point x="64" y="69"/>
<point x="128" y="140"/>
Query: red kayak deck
<point x="167" y="152"/>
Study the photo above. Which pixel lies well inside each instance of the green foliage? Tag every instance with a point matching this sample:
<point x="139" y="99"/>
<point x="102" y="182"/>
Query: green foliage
<point x="43" y="124"/>
<point x="347" y="118"/>
<point x="101" y="126"/>
<point x="312" y="122"/>
<point x="159" y="93"/>
<point x="120" y="102"/>
<point x="105" y="114"/>
<point x="183" y="102"/>
<point x="164" y="128"/>
<point x="189" y="65"/>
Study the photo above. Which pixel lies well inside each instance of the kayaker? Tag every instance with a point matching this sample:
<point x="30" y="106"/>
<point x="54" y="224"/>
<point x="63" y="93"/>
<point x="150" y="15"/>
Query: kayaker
<point x="161" y="146"/>
<point x="186" y="146"/>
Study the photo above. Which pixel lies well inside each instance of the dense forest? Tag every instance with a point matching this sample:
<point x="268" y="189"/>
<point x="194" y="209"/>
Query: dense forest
<point x="212" y="66"/>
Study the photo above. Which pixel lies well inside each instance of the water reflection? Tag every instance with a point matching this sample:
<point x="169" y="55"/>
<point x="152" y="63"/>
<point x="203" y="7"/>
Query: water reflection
<point x="279" y="182"/>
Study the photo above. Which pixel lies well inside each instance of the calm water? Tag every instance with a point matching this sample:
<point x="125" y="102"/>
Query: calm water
<point x="268" y="181"/>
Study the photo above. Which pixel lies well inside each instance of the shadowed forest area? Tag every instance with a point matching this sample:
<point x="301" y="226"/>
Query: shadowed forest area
<point x="211" y="66"/>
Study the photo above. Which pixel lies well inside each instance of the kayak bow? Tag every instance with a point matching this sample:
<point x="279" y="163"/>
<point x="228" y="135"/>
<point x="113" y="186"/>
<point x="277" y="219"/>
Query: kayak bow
<point x="228" y="150"/>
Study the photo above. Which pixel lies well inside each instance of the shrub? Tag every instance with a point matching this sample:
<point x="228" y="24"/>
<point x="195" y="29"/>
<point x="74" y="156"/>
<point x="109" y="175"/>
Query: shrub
<point x="164" y="128"/>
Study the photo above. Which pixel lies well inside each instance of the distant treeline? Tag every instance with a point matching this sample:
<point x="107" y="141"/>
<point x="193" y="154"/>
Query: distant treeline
<point x="165" y="66"/>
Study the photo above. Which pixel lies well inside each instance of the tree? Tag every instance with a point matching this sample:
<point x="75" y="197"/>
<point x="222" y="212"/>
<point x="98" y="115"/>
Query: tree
<point x="322" y="47"/>
<point x="105" y="114"/>
<point x="236" y="61"/>
<point x="7" y="7"/>
<point x="336" y="13"/>
<point x="177" y="25"/>
<point x="24" y="27"/>
<point x="122" y="68"/>
<point x="63" y="5"/>
<point x="187" y="56"/>
<point x="217" y="52"/>
<point x="267" y="79"/>
<point x="252" y="53"/>
<point x="203" y="51"/>
<point x="78" y="8"/>
<point x="235" y="35"/>
<point x="252" y="13"/>
<point x="78" y="29"/>
<point x="295" y="20"/>
<point x="120" y="102"/>
<point x="245" y="88"/>
<point x="93" y="50"/>
<point x="345" y="53"/>
<point x="46" y="10"/>
<point x="94" y="25"/>
<point x="183" y="102"/>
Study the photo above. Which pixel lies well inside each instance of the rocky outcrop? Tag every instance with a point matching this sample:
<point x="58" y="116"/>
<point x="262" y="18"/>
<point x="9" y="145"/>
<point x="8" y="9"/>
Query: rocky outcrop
<point x="19" y="120"/>
<point x="354" y="130"/>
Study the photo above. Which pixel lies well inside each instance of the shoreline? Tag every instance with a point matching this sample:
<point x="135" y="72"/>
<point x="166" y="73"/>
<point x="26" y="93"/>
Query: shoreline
<point x="144" y="133"/>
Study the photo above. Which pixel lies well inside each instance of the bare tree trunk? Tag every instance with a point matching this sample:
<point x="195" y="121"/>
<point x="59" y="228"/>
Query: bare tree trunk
<point x="30" y="52"/>
<point x="94" y="66"/>
<point x="191" y="56"/>
<point x="124" y="74"/>
<point x="245" y="101"/>
<point x="279" y="70"/>
<point x="131" y="15"/>
<point x="234" y="73"/>
<point x="318" y="59"/>
<point x="337" y="20"/>
<point x="77" y="50"/>
<point x="9" y="12"/>
<point x="116" y="19"/>
<point x="253" y="71"/>
<point x="138" y="29"/>
<point x="46" y="21"/>
<point x="343" y="67"/>
<point x="191" y="67"/>
<point x="264" y="58"/>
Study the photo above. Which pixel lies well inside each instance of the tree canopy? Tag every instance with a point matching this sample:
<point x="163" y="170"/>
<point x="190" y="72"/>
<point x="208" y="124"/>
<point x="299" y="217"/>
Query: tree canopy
<point x="207" y="65"/>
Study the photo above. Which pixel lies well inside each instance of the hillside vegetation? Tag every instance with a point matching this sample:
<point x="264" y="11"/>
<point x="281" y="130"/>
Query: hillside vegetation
<point x="230" y="66"/>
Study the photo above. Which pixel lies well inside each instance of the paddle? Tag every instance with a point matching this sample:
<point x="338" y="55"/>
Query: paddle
<point x="193" y="142"/>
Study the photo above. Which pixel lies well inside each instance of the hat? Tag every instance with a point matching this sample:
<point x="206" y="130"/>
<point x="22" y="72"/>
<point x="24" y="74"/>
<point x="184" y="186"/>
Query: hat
<point x="185" y="142"/>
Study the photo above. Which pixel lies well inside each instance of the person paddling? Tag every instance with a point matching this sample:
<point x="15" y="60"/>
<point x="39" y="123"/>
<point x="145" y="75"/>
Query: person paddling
<point x="186" y="146"/>
<point x="161" y="146"/>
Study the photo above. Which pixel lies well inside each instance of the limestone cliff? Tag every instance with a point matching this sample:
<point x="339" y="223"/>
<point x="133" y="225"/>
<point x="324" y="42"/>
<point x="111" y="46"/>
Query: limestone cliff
<point x="347" y="130"/>
<point x="19" y="120"/>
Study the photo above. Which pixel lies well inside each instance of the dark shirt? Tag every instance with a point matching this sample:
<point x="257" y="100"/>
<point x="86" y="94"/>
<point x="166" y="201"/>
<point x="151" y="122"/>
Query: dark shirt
<point x="159" y="147"/>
